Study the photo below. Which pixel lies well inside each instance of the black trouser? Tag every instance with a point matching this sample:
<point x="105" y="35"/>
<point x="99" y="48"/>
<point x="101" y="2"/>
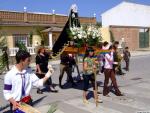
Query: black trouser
<point x="119" y="70"/>
<point x="87" y="79"/>
<point x="127" y="65"/>
<point x="68" y="70"/>
<point x="76" y="66"/>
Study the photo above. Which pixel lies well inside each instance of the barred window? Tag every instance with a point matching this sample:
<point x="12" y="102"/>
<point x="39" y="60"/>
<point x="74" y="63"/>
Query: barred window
<point x="23" y="38"/>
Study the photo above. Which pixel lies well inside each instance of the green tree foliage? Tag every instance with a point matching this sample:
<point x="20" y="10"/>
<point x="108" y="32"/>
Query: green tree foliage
<point x="21" y="46"/>
<point x="99" y="24"/>
<point x="43" y="37"/>
<point x="30" y="38"/>
<point x="3" y="44"/>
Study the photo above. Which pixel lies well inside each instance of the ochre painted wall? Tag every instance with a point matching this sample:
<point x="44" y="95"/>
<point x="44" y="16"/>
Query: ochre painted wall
<point x="9" y="31"/>
<point x="105" y="34"/>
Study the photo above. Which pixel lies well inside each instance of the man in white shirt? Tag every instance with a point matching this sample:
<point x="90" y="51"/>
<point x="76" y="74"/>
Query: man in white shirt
<point x="20" y="79"/>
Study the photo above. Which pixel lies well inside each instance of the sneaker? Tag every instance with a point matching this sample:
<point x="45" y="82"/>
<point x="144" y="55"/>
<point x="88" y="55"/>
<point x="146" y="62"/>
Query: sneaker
<point x="74" y="85"/>
<point x="99" y="92"/>
<point x="99" y="101"/>
<point x="39" y="91"/>
<point x="54" y="91"/>
<point x="106" y="95"/>
<point x="85" y="101"/>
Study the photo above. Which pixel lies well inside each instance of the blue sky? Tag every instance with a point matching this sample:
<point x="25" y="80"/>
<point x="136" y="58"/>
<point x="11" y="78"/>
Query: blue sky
<point x="86" y="8"/>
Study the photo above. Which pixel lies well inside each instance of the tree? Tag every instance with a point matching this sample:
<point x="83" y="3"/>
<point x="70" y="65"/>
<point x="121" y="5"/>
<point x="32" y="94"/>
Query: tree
<point x="21" y="46"/>
<point x="3" y="44"/>
<point x="41" y="35"/>
<point x="99" y="24"/>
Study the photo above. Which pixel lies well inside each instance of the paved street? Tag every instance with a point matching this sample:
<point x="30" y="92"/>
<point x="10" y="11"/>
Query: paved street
<point x="135" y="84"/>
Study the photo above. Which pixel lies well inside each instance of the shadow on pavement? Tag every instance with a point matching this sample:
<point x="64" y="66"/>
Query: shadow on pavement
<point x="34" y="103"/>
<point x="38" y="100"/>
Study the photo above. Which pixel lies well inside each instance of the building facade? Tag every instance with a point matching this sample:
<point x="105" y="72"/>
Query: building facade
<point x="30" y="28"/>
<point x="129" y="23"/>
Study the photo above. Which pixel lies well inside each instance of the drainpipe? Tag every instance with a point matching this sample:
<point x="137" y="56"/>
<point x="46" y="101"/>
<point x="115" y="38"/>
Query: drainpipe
<point x="25" y="14"/>
<point x="53" y="17"/>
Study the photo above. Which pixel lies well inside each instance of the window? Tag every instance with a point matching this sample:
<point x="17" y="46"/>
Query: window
<point x="20" y="38"/>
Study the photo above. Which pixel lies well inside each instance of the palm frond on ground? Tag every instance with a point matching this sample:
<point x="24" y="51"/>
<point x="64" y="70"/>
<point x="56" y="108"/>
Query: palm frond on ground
<point x="52" y="108"/>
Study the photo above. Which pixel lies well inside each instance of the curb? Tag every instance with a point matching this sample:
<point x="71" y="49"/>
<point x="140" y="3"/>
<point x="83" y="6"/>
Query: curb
<point x="139" y="54"/>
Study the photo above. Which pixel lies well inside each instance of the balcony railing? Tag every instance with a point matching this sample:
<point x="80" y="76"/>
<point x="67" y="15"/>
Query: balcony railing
<point x="13" y="51"/>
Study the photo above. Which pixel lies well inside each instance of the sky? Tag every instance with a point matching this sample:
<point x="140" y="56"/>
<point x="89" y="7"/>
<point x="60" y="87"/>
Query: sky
<point x="86" y="8"/>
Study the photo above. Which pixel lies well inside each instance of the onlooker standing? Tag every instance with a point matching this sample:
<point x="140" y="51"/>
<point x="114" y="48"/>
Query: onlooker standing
<point x="5" y="58"/>
<point x="126" y="56"/>
<point x="117" y="58"/>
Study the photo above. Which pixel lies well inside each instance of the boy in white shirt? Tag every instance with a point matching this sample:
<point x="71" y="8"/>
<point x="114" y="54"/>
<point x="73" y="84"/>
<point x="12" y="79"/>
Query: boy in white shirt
<point x="20" y="79"/>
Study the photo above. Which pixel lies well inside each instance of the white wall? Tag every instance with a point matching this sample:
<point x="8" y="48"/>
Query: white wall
<point x="127" y="14"/>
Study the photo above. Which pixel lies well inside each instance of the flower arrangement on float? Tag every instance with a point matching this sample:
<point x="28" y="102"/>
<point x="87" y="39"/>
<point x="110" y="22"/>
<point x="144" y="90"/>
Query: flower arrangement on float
<point x="90" y="35"/>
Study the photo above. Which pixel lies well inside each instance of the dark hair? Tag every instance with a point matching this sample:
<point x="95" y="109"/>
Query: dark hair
<point x="126" y="47"/>
<point x="89" y="49"/>
<point x="116" y="42"/>
<point x="21" y="55"/>
<point x="105" y="43"/>
<point x="112" y="47"/>
<point x="4" y="49"/>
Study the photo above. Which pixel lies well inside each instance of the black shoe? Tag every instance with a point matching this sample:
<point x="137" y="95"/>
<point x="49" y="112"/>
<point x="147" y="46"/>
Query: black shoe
<point x="74" y="85"/>
<point x="121" y="73"/>
<point x="61" y="86"/>
<point x="39" y="91"/>
<point x="99" y="92"/>
<point x="80" y="80"/>
<point x="54" y="91"/>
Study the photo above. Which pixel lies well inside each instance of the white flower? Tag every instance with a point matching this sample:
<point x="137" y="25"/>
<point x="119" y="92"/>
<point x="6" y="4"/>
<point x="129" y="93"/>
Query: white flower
<point x="86" y="33"/>
<point x="75" y="37"/>
<point x="79" y="36"/>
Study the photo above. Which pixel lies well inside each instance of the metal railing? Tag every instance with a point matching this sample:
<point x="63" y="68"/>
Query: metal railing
<point x="13" y="51"/>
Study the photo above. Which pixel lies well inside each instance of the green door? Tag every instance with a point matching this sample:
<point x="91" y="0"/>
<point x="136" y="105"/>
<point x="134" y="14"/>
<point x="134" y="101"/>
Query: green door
<point x="144" y="39"/>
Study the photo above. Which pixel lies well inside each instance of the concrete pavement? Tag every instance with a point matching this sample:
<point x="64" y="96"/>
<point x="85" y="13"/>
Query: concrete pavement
<point x="69" y="100"/>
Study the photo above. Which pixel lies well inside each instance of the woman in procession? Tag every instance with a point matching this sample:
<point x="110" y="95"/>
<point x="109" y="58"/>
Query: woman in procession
<point x="110" y="73"/>
<point x="42" y="68"/>
<point x="89" y="68"/>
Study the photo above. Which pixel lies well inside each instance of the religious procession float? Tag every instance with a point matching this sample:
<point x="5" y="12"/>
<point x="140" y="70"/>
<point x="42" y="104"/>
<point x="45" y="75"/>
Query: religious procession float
<point x="75" y="38"/>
